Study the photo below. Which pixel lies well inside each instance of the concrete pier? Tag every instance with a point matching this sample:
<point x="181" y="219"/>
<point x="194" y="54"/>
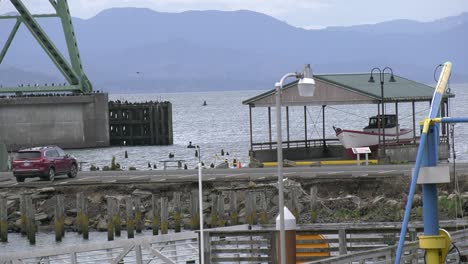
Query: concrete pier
<point x="75" y="121"/>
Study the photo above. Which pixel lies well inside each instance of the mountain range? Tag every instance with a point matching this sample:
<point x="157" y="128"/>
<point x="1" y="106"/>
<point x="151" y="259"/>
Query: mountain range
<point x="141" y="50"/>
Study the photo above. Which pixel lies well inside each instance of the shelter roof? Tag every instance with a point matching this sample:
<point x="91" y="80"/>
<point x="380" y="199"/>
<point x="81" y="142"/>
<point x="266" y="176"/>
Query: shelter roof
<point x="341" y="89"/>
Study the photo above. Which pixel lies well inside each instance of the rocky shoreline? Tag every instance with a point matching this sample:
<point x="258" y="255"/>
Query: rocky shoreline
<point x="318" y="200"/>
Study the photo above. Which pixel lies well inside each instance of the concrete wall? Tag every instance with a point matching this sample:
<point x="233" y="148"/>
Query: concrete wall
<point x="333" y="151"/>
<point x="408" y="153"/>
<point x="394" y="153"/>
<point x="79" y="121"/>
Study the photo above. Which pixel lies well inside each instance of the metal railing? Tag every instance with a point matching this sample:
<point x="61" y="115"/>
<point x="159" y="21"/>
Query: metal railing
<point x="296" y="144"/>
<point x="171" y="248"/>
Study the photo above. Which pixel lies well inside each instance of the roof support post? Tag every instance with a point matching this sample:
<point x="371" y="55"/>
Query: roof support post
<point x="269" y="127"/>
<point x="287" y="124"/>
<point x="397" y="122"/>
<point x="251" y="128"/>
<point x="305" y="126"/>
<point x="323" y="129"/>
<point x="414" y="120"/>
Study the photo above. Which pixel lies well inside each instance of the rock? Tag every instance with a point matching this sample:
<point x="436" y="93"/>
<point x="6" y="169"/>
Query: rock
<point x="255" y="164"/>
<point x="378" y="199"/>
<point x="252" y="184"/>
<point x="141" y="193"/>
<point x="452" y="196"/>
<point x="41" y="217"/>
<point x="101" y="225"/>
<point x="417" y="200"/>
<point x="392" y="202"/>
<point x="46" y="190"/>
<point x="39" y="196"/>
<point x="72" y="212"/>
<point x="69" y="221"/>
<point x="17" y="224"/>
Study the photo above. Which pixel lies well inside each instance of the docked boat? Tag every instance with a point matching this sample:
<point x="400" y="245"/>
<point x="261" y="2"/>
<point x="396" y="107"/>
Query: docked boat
<point x="369" y="136"/>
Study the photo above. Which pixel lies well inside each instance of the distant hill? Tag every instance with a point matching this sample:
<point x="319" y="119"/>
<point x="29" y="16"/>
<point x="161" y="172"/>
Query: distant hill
<point x="218" y="50"/>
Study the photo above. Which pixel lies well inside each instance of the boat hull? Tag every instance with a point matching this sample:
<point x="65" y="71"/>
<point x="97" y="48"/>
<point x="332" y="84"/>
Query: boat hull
<point x="353" y="138"/>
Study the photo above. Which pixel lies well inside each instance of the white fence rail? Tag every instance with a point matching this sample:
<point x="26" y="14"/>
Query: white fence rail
<point x="171" y="248"/>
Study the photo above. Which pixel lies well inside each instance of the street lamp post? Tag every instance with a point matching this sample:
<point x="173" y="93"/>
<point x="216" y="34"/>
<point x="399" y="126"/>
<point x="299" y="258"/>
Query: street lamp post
<point x="200" y="205"/>
<point x="382" y="81"/>
<point x="306" y="87"/>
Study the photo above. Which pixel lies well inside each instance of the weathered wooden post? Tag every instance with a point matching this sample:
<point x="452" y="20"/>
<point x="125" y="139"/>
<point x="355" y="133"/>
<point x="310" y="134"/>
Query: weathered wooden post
<point x="164" y="216"/>
<point x="194" y="213"/>
<point x="23" y="214"/>
<point x="79" y="213"/>
<point x="116" y="217"/>
<point x="214" y="210"/>
<point x="343" y="244"/>
<point x="84" y="216"/>
<point x="59" y="217"/>
<point x="30" y="221"/>
<point x="155" y="220"/>
<point x="263" y="209"/>
<point x="177" y="212"/>
<point x="250" y="211"/>
<point x="3" y="220"/>
<point x="313" y="203"/>
<point x="130" y="217"/>
<point x="233" y="209"/>
<point x="110" y="218"/>
<point x="138" y="219"/>
<point x="220" y="205"/>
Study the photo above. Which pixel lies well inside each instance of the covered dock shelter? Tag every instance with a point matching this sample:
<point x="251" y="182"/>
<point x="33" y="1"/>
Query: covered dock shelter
<point x="342" y="89"/>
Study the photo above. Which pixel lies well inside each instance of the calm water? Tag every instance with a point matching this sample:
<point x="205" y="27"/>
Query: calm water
<point x="224" y="124"/>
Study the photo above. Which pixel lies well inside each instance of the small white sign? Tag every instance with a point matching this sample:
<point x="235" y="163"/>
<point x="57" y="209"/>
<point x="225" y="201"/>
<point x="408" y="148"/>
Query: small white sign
<point x="362" y="150"/>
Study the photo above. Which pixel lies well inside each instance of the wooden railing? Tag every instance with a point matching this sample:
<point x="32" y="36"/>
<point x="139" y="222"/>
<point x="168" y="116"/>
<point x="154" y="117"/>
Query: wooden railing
<point x="171" y="248"/>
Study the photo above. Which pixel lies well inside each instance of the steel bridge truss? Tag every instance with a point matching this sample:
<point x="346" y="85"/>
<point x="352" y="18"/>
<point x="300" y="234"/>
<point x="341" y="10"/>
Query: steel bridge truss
<point x="73" y="73"/>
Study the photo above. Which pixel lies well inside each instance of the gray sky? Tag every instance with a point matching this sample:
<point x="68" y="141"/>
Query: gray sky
<point x="301" y="13"/>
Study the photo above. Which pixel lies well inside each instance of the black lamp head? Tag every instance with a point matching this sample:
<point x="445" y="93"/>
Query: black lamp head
<point x="371" y="79"/>
<point x="392" y="78"/>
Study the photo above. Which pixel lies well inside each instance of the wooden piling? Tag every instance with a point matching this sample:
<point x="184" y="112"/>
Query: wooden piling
<point x="30" y="221"/>
<point x="155" y="220"/>
<point x="194" y="212"/>
<point x="250" y="211"/>
<point x="233" y="209"/>
<point x="23" y="217"/>
<point x="117" y="223"/>
<point x="313" y="203"/>
<point x="130" y="217"/>
<point x="177" y="212"/>
<point x="79" y="216"/>
<point x="263" y="209"/>
<point x="220" y="205"/>
<point x="59" y="217"/>
<point x="214" y="210"/>
<point x="84" y="221"/>
<point x="138" y="218"/>
<point x="3" y="220"/>
<point x="164" y="216"/>
<point x="110" y="218"/>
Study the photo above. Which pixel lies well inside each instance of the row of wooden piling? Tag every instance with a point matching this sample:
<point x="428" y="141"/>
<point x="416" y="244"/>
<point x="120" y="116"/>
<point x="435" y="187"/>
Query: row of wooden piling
<point x="255" y="213"/>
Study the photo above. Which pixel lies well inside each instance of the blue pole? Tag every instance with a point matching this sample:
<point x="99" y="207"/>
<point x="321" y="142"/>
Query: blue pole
<point x="454" y="119"/>
<point x="430" y="197"/>
<point x="409" y="203"/>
